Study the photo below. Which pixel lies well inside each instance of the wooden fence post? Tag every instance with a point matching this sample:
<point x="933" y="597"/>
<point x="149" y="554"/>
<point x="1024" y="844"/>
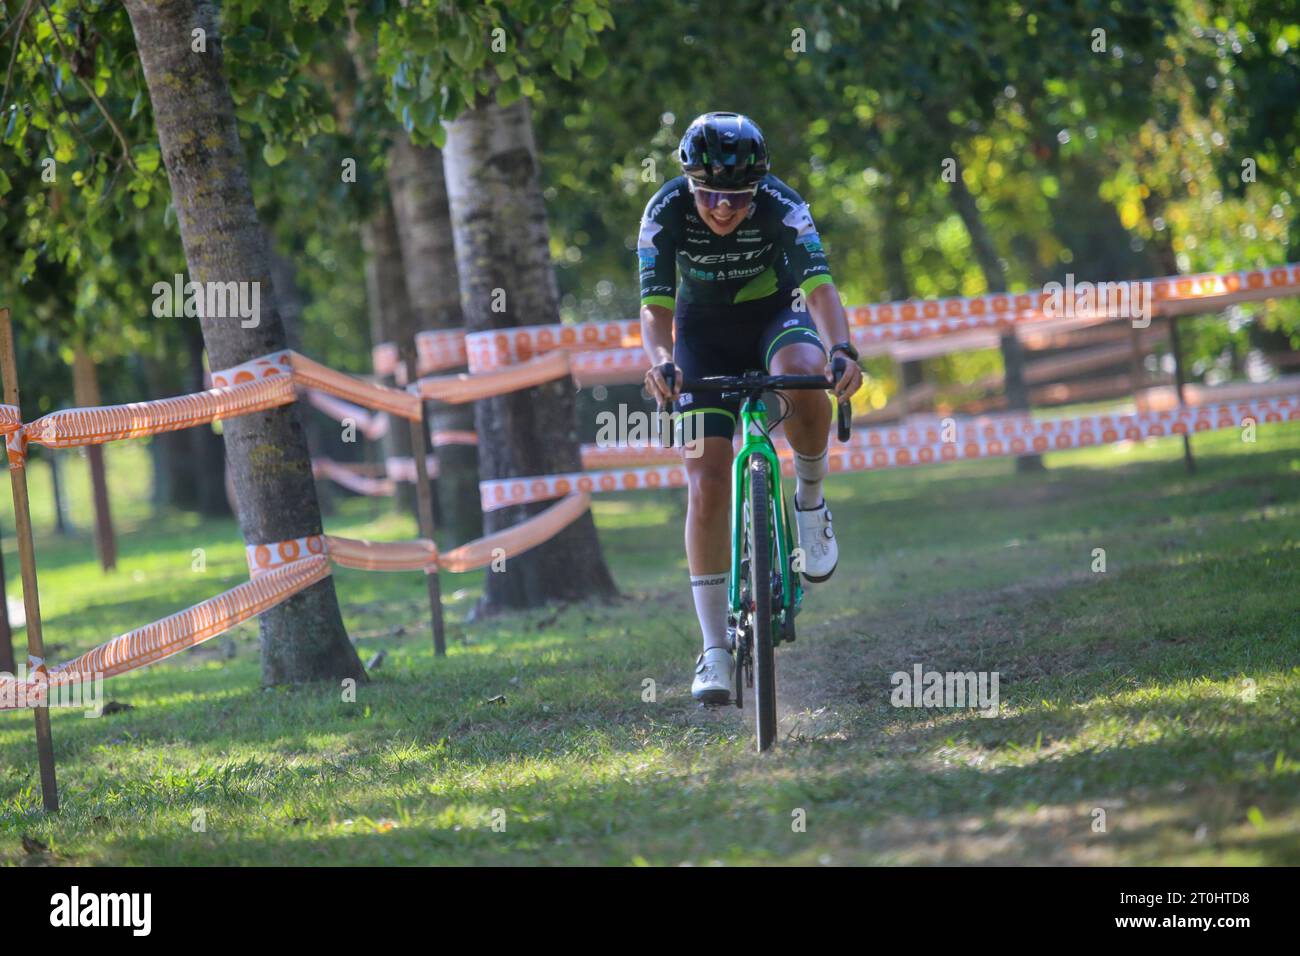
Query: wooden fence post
<point x="7" y="660"/>
<point x="1174" y="343"/>
<point x="424" y="500"/>
<point x="85" y="386"/>
<point x="17" y="445"/>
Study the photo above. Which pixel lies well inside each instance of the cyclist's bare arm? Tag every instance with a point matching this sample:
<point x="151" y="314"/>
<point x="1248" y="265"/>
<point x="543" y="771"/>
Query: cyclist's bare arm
<point x="657" y="340"/>
<point x="832" y="323"/>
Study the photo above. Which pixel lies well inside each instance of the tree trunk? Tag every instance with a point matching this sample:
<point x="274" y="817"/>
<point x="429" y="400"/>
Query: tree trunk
<point x="390" y="320"/>
<point x="62" y="524"/>
<point x="419" y="189"/>
<point x="189" y="465"/>
<point x="302" y="638"/>
<point x="912" y="374"/>
<point x="1013" y="353"/>
<point x="284" y="277"/>
<point x="207" y="450"/>
<point x="503" y="249"/>
<point x="168" y="451"/>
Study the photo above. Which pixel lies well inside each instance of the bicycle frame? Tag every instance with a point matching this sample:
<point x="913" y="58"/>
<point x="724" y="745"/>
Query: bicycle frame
<point x="753" y="420"/>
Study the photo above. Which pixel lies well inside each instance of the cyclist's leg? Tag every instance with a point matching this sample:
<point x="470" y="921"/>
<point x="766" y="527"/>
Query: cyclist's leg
<point x="708" y="551"/>
<point x="791" y="346"/>
<point x="708" y="424"/>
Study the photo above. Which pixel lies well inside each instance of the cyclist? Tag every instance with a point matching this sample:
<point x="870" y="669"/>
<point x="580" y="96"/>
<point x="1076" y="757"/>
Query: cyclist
<point x="753" y="272"/>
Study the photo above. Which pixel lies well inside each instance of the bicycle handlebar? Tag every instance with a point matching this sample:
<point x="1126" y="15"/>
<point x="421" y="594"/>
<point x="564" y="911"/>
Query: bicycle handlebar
<point x="752" y="383"/>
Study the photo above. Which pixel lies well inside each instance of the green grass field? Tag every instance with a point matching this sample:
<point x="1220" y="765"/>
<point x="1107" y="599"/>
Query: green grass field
<point x="1164" y="692"/>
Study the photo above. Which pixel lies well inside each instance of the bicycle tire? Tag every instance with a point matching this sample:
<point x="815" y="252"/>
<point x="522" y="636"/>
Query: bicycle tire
<point x="760" y="570"/>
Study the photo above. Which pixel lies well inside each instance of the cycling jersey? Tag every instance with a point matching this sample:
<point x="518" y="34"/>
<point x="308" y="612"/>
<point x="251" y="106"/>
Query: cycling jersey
<point x="775" y="249"/>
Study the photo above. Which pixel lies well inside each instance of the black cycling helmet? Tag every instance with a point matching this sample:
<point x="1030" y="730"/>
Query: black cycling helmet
<point x="723" y="151"/>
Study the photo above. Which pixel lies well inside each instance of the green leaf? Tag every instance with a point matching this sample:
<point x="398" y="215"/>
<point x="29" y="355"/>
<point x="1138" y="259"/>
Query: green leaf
<point x="451" y="101"/>
<point x="595" y="62"/>
<point x="508" y="92"/>
<point x="326" y="122"/>
<point x="147" y="158"/>
<point x="274" y="154"/>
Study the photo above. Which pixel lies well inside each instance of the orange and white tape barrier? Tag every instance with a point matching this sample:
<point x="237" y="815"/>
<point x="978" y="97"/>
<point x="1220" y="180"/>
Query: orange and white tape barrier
<point x="423" y="555"/>
<point x="11" y="419"/>
<point x="403" y="469"/>
<point x="173" y="634"/>
<point x="93" y="426"/>
<point x="372" y="425"/>
<point x="313" y="374"/>
<point x="913" y="318"/>
<point x="257" y="385"/>
<point x="375" y="425"/>
<point x="264" y="558"/>
<point x="358" y="479"/>
<point x="436" y="351"/>
<point x="418" y="555"/>
<point x="276" y="572"/>
<point x="458" y="389"/>
<point x="352" y="477"/>
<point x="518" y="538"/>
<point x="909" y="445"/>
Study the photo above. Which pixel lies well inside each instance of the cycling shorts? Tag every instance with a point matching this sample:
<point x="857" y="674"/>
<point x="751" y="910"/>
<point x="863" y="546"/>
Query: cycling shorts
<point x="732" y="339"/>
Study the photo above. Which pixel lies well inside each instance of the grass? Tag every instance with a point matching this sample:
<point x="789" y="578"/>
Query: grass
<point x="1162" y="695"/>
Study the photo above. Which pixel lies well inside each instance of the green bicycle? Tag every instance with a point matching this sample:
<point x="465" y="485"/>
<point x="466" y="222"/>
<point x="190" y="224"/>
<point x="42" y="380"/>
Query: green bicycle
<point x="764" y="589"/>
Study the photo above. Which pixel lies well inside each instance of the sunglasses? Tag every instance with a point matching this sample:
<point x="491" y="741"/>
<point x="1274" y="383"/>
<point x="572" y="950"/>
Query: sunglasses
<point x="713" y="198"/>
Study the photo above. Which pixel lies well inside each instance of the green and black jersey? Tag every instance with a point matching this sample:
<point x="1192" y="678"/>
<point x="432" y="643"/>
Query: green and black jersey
<point x="776" y="249"/>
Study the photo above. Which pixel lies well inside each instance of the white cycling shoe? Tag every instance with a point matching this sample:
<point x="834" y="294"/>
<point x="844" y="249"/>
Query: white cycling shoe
<point x="817" y="541"/>
<point x="714" y="677"/>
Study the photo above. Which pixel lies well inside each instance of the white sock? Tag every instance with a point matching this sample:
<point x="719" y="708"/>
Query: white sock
<point x="809" y="473"/>
<point x="710" y="593"/>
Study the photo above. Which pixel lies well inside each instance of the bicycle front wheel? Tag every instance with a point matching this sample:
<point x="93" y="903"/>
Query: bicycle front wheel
<point x="760" y="570"/>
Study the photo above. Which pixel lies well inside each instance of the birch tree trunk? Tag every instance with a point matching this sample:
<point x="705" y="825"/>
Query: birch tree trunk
<point x="390" y="319"/>
<point x="289" y="302"/>
<point x="504" y="259"/>
<point x="303" y="638"/>
<point x="419" y="190"/>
